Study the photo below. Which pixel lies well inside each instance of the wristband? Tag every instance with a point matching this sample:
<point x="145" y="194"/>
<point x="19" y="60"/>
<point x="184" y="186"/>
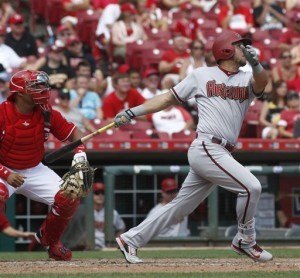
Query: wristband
<point x="4" y="172"/>
<point x="258" y="68"/>
<point x="80" y="149"/>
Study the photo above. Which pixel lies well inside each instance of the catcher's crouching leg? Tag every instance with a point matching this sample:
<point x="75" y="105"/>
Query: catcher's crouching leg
<point x="55" y="224"/>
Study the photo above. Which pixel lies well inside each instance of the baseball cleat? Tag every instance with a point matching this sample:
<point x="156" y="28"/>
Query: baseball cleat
<point x="130" y="253"/>
<point x="255" y="252"/>
<point x="59" y="253"/>
<point x="56" y="251"/>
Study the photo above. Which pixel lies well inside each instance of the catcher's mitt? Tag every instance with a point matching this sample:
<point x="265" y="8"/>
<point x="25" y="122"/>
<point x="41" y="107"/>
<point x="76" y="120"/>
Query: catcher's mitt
<point x="78" y="181"/>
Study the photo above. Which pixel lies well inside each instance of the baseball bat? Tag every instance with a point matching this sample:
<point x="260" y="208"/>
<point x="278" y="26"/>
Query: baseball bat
<point x="53" y="156"/>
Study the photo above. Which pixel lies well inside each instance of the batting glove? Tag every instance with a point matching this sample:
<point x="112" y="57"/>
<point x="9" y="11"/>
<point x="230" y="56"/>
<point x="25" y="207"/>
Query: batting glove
<point x="79" y="157"/>
<point x="124" y="117"/>
<point x="252" y="58"/>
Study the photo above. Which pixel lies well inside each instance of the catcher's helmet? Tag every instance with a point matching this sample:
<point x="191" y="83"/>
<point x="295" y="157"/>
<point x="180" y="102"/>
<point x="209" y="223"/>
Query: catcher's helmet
<point x="223" y="48"/>
<point x="32" y="82"/>
<point x="3" y="195"/>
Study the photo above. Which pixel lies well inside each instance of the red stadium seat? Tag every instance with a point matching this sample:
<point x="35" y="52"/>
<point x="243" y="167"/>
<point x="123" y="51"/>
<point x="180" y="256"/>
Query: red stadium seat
<point x="135" y="125"/>
<point x="54" y="12"/>
<point x="113" y="134"/>
<point x="97" y="123"/>
<point x="251" y="127"/>
<point x="185" y="134"/>
<point x="151" y="58"/>
<point x="149" y="134"/>
<point x="87" y="25"/>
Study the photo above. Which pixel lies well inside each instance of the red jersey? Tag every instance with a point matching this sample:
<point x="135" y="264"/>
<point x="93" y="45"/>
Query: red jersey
<point x="4" y="223"/>
<point x="101" y="4"/>
<point x="112" y="105"/>
<point x="170" y="55"/>
<point x="22" y="136"/>
<point x="288" y="119"/>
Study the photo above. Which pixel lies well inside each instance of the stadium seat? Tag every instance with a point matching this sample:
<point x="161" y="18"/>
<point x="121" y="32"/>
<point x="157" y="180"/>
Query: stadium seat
<point x="113" y="135"/>
<point x="155" y="34"/>
<point x="86" y="26"/>
<point x="135" y="125"/>
<point x="184" y="134"/>
<point x="151" y="58"/>
<point x="54" y="12"/>
<point x="97" y="123"/>
<point x="251" y="127"/>
<point x="135" y="50"/>
<point x="149" y="134"/>
<point x="37" y="11"/>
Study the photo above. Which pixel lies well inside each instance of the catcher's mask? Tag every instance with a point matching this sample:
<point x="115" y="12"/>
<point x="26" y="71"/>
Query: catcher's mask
<point x="32" y="82"/>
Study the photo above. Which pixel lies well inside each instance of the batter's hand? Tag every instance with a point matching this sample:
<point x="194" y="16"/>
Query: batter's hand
<point x="124" y="117"/>
<point x="250" y="55"/>
<point x="16" y="179"/>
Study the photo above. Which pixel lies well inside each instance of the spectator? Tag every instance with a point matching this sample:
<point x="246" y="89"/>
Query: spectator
<point x="151" y="81"/>
<point x="53" y="65"/>
<point x="135" y="79"/>
<point x="96" y="78"/>
<point x="292" y="4"/>
<point x="170" y="4"/>
<point x="4" y="85"/>
<point x="291" y="38"/>
<point x="126" y="30"/>
<point x="286" y="71"/>
<point x="196" y="59"/>
<point x="171" y="62"/>
<point x="205" y="5"/>
<point x="169" y="190"/>
<point x="8" y="57"/>
<point x="122" y="98"/>
<point x="99" y="216"/>
<point x="289" y="116"/>
<point x="72" y="114"/>
<point x="20" y="40"/>
<point x="268" y="15"/>
<point x="6" y="11"/>
<point x="100" y="5"/>
<point x="235" y="16"/>
<point x="88" y="102"/>
<point x="63" y="32"/>
<point x="271" y="109"/>
<point x="75" y="53"/>
<point x="72" y="7"/>
<point x="151" y="17"/>
<point x="188" y="26"/>
<point x="172" y="120"/>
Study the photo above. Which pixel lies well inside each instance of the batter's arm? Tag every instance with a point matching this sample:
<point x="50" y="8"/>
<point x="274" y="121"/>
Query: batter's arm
<point x="259" y="81"/>
<point x="152" y="105"/>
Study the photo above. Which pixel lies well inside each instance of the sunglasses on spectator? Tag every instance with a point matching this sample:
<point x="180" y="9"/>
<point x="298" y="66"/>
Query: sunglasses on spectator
<point x="98" y="192"/>
<point x="286" y="57"/>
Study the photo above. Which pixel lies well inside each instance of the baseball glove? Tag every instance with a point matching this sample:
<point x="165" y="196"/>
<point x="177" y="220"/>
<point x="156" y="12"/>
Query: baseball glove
<point x="78" y="181"/>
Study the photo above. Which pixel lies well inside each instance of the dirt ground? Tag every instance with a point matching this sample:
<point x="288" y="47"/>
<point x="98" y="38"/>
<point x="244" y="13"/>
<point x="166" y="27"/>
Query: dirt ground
<point x="149" y="266"/>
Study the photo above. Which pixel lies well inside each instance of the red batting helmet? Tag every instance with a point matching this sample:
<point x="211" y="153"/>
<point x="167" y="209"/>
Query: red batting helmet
<point x="32" y="82"/>
<point x="3" y="195"/>
<point x="223" y="48"/>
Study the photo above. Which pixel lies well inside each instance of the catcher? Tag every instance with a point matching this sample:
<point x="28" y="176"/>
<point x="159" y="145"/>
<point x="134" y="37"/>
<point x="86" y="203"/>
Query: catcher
<point x="26" y="119"/>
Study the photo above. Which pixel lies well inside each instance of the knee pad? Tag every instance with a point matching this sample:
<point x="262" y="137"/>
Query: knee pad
<point x="64" y="206"/>
<point x="3" y="195"/>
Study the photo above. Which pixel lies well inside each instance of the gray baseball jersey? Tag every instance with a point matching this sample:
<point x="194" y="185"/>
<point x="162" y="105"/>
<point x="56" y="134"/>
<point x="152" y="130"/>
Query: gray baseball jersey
<point x="223" y="99"/>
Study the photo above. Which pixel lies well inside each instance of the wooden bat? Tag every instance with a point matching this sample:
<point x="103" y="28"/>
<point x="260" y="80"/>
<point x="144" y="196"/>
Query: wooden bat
<point x="53" y="156"/>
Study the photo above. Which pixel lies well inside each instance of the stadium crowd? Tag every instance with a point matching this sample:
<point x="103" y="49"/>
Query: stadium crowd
<point x="110" y="55"/>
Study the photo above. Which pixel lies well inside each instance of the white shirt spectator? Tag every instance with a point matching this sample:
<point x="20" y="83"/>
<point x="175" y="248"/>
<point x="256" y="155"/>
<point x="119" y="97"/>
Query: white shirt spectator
<point x="9" y="58"/>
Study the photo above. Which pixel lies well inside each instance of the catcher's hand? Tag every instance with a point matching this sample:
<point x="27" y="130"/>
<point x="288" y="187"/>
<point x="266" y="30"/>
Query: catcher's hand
<point x="78" y="181"/>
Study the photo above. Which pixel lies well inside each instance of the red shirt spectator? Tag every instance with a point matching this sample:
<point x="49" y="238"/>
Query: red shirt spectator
<point x="72" y="7"/>
<point x="101" y="4"/>
<point x="122" y="98"/>
<point x="235" y="16"/>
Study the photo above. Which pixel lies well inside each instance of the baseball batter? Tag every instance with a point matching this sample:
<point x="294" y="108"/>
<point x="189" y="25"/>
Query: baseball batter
<point x="223" y="94"/>
<point x="26" y="120"/>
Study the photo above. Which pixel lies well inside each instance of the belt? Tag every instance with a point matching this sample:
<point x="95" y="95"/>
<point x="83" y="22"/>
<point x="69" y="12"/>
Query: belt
<point x="229" y="147"/>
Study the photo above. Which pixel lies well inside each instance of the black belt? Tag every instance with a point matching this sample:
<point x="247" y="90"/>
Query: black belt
<point x="218" y="141"/>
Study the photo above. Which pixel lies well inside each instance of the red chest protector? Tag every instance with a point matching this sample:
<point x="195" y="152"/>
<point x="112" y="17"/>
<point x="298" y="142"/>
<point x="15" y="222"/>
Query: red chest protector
<point x="22" y="138"/>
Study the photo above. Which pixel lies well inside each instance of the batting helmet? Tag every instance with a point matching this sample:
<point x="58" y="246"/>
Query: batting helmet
<point x="3" y="195"/>
<point x="223" y="48"/>
<point x="32" y="82"/>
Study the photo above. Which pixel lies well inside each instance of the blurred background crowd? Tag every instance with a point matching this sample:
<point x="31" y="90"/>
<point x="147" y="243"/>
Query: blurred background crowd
<point x="103" y="56"/>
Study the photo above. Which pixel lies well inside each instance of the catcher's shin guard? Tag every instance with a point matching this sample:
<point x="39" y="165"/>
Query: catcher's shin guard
<point x="58" y="219"/>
